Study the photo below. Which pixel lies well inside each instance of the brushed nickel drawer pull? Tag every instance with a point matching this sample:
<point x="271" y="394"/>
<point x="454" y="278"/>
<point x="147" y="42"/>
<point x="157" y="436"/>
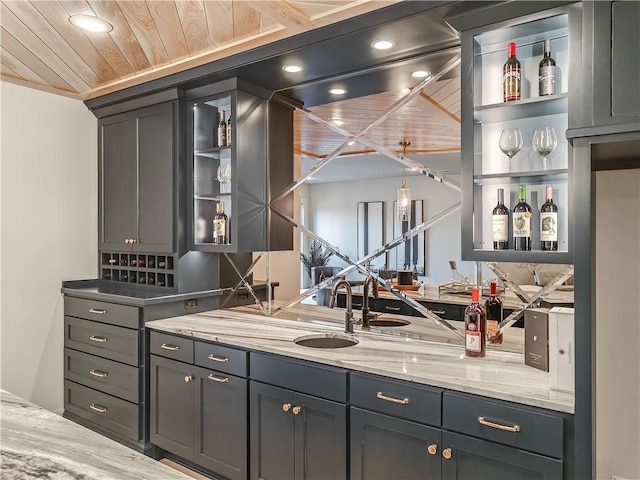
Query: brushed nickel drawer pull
<point x="218" y="359"/>
<point x="98" y="408"/>
<point x="171" y="348"/>
<point x="218" y="379"/>
<point x="401" y="401"/>
<point x="438" y="312"/>
<point x="98" y="373"/>
<point x="95" y="338"/>
<point x="99" y="311"/>
<point x="506" y="428"/>
<point x="391" y="309"/>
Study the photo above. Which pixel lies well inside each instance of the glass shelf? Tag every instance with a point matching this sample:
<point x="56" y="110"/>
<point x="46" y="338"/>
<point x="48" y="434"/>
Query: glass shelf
<point x="529" y="107"/>
<point x="211" y="152"/>
<point x="532" y="177"/>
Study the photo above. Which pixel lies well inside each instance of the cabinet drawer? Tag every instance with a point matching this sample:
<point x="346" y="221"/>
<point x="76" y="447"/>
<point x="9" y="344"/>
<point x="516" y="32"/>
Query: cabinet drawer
<point x="110" y="412"/>
<point x="516" y="425"/>
<point x="111" y="313"/>
<point x="304" y="377"/>
<point x="395" y="307"/>
<point x="170" y="346"/>
<point x="111" y="377"/>
<point x="222" y="359"/>
<point x="397" y="398"/>
<point x="446" y="310"/>
<point x="115" y="343"/>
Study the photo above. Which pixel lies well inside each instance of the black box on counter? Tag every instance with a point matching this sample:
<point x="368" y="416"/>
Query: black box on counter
<point x="536" y="338"/>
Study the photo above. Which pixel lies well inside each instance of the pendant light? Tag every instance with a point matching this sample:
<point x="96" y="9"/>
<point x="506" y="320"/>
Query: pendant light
<point x="403" y="194"/>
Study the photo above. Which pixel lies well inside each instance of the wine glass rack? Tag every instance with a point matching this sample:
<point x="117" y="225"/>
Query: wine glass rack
<point x="140" y="268"/>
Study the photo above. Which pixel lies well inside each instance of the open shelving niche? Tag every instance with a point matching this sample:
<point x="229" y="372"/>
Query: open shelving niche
<point x="207" y="157"/>
<point x="491" y="168"/>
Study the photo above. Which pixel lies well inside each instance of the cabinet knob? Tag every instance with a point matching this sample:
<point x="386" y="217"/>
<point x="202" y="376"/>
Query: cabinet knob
<point x="297" y="410"/>
<point x="446" y="453"/>
<point x="286" y="407"/>
<point x="127" y="240"/>
<point x="133" y="240"/>
<point x="432" y="449"/>
<point x="188" y="378"/>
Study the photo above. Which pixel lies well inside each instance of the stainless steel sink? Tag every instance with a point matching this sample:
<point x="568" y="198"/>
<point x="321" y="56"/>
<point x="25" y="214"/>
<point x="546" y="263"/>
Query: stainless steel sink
<point x="326" y="340"/>
<point x="388" y="322"/>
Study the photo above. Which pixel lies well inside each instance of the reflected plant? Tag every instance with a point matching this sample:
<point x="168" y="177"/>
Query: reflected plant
<point x="318" y="257"/>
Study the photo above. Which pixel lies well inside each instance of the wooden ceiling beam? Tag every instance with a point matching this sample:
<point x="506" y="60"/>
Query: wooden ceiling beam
<point x="284" y="14"/>
<point x="439" y="112"/>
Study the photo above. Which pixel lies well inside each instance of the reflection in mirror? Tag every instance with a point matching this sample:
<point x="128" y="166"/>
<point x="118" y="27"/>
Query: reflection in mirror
<point x="370" y="232"/>
<point x="410" y="254"/>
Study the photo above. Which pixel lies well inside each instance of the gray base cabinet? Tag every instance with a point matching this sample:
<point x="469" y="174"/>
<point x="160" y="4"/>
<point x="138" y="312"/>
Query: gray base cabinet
<point x="475" y="459"/>
<point x="384" y="447"/>
<point x="199" y="414"/>
<point x="295" y="435"/>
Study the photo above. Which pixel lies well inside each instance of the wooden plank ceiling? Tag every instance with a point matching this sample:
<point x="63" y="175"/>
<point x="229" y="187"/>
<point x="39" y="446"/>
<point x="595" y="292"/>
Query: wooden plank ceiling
<point x="150" y="39"/>
<point x="430" y="121"/>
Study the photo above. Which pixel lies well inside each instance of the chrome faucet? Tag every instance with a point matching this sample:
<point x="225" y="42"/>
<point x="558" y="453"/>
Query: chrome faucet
<point x="367" y="316"/>
<point x="348" y="315"/>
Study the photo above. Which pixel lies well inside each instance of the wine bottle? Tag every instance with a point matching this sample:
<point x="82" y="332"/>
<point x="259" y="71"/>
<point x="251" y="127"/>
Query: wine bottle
<point x="522" y="222"/>
<point x="220" y="225"/>
<point x="500" y="223"/>
<point x="475" y="327"/>
<point x="511" y="82"/>
<point x="222" y="131"/>
<point x="547" y="72"/>
<point x="228" y="130"/>
<point x="493" y="307"/>
<point x="549" y="222"/>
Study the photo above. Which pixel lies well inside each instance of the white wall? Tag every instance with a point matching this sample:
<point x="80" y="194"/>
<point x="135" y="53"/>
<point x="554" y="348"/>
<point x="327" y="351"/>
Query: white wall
<point x="617" y="333"/>
<point x="49" y="232"/>
<point x="333" y="216"/>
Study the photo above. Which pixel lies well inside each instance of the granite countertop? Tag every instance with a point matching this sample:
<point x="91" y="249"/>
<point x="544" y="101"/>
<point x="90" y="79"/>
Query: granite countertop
<point x="439" y="362"/>
<point x="37" y="443"/>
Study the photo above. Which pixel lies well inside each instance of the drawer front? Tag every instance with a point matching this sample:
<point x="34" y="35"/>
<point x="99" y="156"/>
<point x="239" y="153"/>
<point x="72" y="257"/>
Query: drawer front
<point x="115" y="343"/>
<point x="397" y="398"/>
<point x="304" y="377"/>
<point x="111" y="313"/>
<point x="110" y="412"/>
<point x="171" y="346"/>
<point x="222" y="359"/>
<point x="515" y="425"/>
<point x="111" y="377"/>
<point x="394" y="307"/>
<point x="446" y="310"/>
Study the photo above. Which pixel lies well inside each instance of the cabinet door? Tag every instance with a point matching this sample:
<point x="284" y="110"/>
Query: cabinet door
<point x="221" y="423"/>
<point x="272" y="432"/>
<point x="171" y="406"/>
<point x="616" y="40"/>
<point x="155" y="151"/>
<point x="476" y="459"/>
<point x="384" y="447"/>
<point x="320" y="438"/>
<point x="117" y="203"/>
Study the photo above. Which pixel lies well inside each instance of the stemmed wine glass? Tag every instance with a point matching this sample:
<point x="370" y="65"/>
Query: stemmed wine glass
<point x="224" y="177"/>
<point x="544" y="142"/>
<point x="510" y="142"/>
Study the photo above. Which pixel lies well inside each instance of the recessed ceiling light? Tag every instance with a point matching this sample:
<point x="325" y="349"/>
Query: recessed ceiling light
<point x="292" y="68"/>
<point x="382" y="44"/>
<point x="337" y="91"/>
<point x="91" y="23"/>
<point x="352" y="142"/>
<point x="421" y="74"/>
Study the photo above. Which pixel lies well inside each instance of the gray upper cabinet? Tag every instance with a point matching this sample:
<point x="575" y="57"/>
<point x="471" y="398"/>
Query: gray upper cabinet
<point x="242" y="171"/>
<point x="486" y="170"/>
<point x="612" y="68"/>
<point x="137" y="152"/>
